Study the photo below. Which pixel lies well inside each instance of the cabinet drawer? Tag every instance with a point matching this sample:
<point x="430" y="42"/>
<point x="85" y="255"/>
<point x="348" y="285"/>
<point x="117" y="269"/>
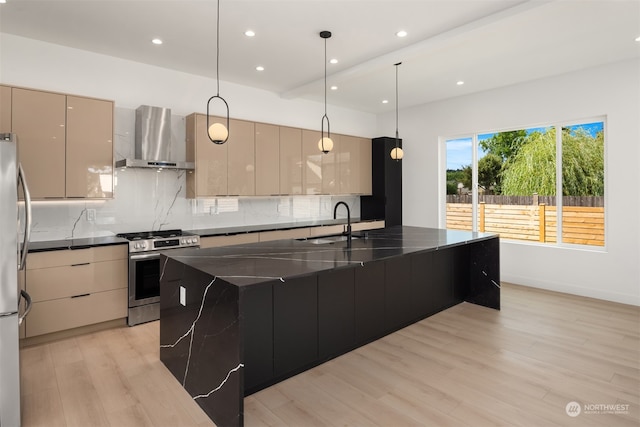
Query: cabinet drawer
<point x="66" y="313"/>
<point x="78" y="279"/>
<point x="236" y="239"/>
<point x="76" y="256"/>
<point x="367" y="225"/>
<point x="327" y="230"/>
<point x="295" y="233"/>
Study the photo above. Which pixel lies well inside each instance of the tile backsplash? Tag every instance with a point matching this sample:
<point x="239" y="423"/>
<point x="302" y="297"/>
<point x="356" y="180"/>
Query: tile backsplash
<point x="149" y="200"/>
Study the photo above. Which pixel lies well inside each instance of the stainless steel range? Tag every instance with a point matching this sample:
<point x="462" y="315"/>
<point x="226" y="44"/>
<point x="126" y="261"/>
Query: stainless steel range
<point x="144" y="269"/>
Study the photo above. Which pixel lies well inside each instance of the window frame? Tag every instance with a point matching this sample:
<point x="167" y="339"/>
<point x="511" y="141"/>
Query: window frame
<point x="558" y="125"/>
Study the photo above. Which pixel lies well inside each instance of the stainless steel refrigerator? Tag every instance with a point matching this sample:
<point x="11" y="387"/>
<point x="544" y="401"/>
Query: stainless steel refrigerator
<point x="15" y="222"/>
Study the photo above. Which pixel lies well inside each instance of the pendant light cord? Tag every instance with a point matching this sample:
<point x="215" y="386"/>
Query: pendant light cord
<point x="218" y="50"/>
<point x="397" y="102"/>
<point x="325" y="77"/>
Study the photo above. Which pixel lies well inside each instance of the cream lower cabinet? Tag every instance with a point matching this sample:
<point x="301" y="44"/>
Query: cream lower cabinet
<point x="294" y="233"/>
<point x="74" y="288"/>
<point x="235" y="239"/>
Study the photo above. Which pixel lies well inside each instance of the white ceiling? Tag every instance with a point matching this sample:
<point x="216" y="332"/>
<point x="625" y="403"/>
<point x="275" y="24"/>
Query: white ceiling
<point x="485" y="43"/>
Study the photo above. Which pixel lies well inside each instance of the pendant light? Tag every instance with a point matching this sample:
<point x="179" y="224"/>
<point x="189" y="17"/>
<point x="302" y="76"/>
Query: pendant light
<point x="325" y="144"/>
<point x="396" y="152"/>
<point x="218" y="133"/>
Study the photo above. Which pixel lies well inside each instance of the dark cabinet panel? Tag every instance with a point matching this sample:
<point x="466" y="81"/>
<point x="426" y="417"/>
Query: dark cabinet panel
<point x="461" y="273"/>
<point x="385" y="201"/>
<point x="443" y="268"/>
<point x="369" y="302"/>
<point x="397" y="291"/>
<point x="257" y="318"/>
<point x="484" y="273"/>
<point x="424" y="288"/>
<point x="295" y="324"/>
<point x="336" y="323"/>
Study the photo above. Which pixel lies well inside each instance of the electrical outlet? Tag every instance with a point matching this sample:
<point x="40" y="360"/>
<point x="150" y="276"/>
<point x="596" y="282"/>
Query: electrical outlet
<point x="183" y="296"/>
<point x="91" y="215"/>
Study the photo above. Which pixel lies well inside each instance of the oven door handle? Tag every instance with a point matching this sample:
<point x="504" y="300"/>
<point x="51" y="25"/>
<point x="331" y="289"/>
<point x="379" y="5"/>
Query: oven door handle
<point x="145" y="256"/>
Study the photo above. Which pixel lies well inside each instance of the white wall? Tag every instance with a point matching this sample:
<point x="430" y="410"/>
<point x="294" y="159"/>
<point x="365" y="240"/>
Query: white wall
<point x="30" y="63"/>
<point x="612" y="91"/>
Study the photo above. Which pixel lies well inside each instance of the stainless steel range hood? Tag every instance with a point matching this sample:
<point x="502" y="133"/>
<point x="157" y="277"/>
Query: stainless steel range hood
<point x="153" y="141"/>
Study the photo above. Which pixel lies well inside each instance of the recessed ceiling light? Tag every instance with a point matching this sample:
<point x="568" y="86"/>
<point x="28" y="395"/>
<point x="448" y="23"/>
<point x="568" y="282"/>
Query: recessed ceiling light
<point x="156" y="41"/>
<point x="259" y="68"/>
<point x="3" y="1"/>
<point x="333" y="61"/>
<point x="334" y="87"/>
<point x="638" y="39"/>
<point x="401" y="33"/>
<point x="459" y="82"/>
<point x="249" y="33"/>
<point x="385" y="101"/>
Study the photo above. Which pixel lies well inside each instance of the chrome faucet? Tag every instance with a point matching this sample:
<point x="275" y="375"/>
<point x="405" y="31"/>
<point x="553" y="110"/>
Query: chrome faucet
<point x="348" y="232"/>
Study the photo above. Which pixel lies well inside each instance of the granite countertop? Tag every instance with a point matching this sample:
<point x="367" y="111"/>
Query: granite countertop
<point x="89" y="242"/>
<point x="253" y="263"/>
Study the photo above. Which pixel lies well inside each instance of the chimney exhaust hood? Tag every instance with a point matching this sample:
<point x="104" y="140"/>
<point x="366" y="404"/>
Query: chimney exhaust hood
<point x="153" y="141"/>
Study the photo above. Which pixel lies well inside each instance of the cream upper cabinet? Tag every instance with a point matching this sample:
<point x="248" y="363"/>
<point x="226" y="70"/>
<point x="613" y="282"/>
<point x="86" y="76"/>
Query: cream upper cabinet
<point x="267" y="159"/>
<point x="241" y="159"/>
<point x="210" y="177"/>
<point x="353" y="160"/>
<point x="89" y="151"/>
<point x="5" y="109"/>
<point x="38" y="118"/>
<point x="290" y="160"/>
<point x="311" y="163"/>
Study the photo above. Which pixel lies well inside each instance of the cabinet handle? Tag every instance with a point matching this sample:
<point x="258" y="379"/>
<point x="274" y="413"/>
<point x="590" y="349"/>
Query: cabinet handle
<point x="81" y="264"/>
<point x="81" y="295"/>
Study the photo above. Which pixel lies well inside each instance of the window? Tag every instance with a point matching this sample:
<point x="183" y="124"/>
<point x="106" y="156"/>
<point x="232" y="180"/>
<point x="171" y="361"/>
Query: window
<point x="511" y="185"/>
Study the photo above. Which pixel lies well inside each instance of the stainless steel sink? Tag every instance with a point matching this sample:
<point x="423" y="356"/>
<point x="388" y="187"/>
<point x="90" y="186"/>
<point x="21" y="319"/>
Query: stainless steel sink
<point x="327" y="240"/>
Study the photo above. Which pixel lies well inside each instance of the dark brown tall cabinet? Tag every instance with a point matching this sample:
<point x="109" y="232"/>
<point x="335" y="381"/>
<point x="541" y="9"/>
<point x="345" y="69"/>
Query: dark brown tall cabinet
<point x="386" y="199"/>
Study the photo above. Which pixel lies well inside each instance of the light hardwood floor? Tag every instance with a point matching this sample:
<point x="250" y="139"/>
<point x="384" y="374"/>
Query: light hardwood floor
<point x="466" y="366"/>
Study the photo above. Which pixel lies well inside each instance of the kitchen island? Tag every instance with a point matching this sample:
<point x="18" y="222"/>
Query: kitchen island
<point x="236" y="319"/>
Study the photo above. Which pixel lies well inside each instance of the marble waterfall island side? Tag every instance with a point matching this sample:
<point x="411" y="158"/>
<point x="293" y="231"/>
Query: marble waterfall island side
<point x="237" y="319"/>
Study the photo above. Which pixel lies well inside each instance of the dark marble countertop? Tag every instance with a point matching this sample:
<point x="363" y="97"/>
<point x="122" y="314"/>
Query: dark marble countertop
<point x="90" y="242"/>
<point x="248" y="264"/>
<point x="83" y="243"/>
<point x="226" y="231"/>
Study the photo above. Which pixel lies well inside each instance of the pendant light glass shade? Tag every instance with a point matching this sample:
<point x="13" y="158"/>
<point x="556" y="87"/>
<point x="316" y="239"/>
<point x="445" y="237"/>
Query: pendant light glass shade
<point x="218" y="133"/>
<point x="396" y="152"/>
<point x="325" y="144"/>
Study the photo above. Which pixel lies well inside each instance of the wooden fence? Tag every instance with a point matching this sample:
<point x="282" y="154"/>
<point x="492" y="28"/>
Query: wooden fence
<point x="580" y="225"/>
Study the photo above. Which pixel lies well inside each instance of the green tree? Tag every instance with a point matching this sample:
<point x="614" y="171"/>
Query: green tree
<point x="505" y="144"/>
<point x="489" y="173"/>
<point x="454" y="176"/>
<point x="533" y="168"/>
<point x="582" y="163"/>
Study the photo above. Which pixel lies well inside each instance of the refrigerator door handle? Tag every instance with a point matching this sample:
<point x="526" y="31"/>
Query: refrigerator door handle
<point x="27" y="219"/>
<point x="27" y="308"/>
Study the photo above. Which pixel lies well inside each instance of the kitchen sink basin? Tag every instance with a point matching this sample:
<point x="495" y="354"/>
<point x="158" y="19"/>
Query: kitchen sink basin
<point x="326" y="240"/>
